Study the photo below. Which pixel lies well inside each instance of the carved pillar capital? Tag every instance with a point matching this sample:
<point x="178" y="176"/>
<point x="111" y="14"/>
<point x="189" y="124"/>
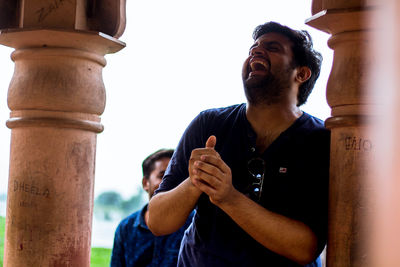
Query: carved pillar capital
<point x="107" y="16"/>
<point x="58" y="73"/>
<point x="344" y="20"/>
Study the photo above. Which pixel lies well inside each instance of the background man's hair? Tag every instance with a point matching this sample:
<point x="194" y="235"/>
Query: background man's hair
<point x="148" y="164"/>
<point x="303" y="53"/>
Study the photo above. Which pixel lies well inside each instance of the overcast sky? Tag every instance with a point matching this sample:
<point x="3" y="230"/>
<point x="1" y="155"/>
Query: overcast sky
<point x="181" y="57"/>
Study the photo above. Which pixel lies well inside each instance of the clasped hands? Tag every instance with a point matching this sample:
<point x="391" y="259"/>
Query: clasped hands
<point x="210" y="174"/>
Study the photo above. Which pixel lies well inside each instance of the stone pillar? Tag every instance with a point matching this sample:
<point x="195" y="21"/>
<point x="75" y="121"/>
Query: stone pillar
<point x="352" y="148"/>
<point x="56" y="97"/>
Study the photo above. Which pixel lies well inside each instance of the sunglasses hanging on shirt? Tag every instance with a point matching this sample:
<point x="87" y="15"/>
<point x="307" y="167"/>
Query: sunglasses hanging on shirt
<point x="256" y="168"/>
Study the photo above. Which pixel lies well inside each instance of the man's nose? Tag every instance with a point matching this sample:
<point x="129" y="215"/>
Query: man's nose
<point x="257" y="51"/>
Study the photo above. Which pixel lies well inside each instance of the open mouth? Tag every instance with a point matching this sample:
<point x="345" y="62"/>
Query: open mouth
<point x="258" y="67"/>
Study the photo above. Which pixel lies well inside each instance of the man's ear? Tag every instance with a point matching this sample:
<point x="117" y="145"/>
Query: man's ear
<point x="145" y="184"/>
<point x="303" y="74"/>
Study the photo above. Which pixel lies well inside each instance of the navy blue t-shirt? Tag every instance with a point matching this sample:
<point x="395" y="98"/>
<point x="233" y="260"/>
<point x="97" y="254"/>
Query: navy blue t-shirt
<point x="295" y="185"/>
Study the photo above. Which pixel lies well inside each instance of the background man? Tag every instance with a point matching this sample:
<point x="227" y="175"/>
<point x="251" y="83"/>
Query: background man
<point x="257" y="173"/>
<point x="134" y="244"/>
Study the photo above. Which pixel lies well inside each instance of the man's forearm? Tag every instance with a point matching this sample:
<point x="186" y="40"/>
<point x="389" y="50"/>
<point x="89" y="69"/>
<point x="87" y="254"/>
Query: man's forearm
<point x="278" y="233"/>
<point x="168" y="211"/>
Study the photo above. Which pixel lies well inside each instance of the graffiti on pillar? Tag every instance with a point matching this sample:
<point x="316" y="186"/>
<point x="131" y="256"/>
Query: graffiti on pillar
<point x="27" y="204"/>
<point x="21" y="186"/>
<point x="34" y="180"/>
<point x="43" y="12"/>
<point x="79" y="157"/>
<point x="358" y="143"/>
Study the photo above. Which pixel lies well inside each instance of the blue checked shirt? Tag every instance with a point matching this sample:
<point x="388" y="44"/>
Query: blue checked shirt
<point x="135" y="245"/>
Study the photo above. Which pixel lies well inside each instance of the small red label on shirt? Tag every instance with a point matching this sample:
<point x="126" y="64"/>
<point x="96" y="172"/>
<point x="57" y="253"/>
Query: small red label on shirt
<point x="282" y="170"/>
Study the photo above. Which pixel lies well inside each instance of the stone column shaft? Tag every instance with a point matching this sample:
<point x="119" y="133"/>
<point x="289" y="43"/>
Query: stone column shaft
<point x="56" y="97"/>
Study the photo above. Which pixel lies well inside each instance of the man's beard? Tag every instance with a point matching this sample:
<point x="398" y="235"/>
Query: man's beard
<point x="267" y="90"/>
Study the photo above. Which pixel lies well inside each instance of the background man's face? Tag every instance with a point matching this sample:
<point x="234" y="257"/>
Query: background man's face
<point x="153" y="181"/>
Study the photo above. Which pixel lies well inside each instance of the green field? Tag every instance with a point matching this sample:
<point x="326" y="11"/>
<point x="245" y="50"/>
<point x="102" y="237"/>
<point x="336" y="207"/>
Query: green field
<point x="100" y="256"/>
<point x="2" y="230"/>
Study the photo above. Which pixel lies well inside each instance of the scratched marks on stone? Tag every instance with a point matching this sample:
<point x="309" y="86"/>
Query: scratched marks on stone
<point x="52" y="6"/>
<point x="357" y="143"/>
<point x="80" y="156"/>
<point x="33" y="180"/>
<point x="30" y="188"/>
<point x="73" y="250"/>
